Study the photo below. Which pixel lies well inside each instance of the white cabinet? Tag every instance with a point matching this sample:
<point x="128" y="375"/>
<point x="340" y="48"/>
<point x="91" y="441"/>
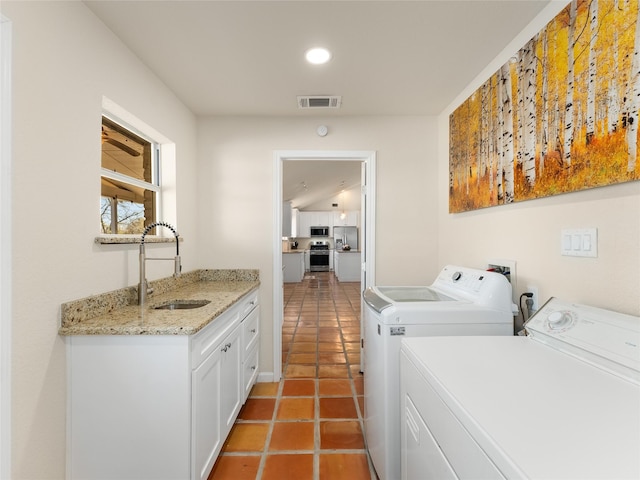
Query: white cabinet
<point x="286" y="219"/>
<point x="323" y="219"/>
<point x="304" y="224"/>
<point x="294" y="266"/>
<point x="207" y="434"/>
<point x="309" y="219"/>
<point x="351" y="219"/>
<point x="159" y="406"/>
<point x="231" y="382"/>
<point x="295" y="227"/>
<point x="250" y="340"/>
<point x="347" y="266"/>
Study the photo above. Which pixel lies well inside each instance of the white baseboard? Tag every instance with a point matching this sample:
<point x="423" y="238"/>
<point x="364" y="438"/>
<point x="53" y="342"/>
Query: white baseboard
<point x="265" y="377"/>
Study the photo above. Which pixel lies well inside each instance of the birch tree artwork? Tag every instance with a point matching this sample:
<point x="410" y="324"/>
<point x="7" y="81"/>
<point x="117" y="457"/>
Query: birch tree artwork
<point x="560" y="116"/>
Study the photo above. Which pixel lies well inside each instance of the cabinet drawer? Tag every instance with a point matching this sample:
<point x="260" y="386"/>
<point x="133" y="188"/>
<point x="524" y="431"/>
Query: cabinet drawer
<point x="249" y="303"/>
<point x="251" y="330"/>
<point x="250" y="371"/>
<point x="207" y="339"/>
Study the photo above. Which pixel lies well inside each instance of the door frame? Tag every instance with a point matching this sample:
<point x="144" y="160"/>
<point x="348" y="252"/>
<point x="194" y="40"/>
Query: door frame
<point x="367" y="221"/>
<point x="5" y="244"/>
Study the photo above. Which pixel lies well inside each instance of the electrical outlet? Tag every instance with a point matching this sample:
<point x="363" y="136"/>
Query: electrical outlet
<point x="535" y="298"/>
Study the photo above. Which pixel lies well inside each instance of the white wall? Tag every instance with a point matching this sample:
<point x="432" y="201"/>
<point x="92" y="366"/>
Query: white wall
<point x="64" y="61"/>
<point x="236" y="184"/>
<point x="529" y="232"/>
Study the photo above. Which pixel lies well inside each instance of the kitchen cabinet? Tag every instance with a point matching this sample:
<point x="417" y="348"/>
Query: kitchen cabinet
<point x="159" y="406"/>
<point x="250" y="352"/>
<point x="307" y="261"/>
<point x="347" y="266"/>
<point x="286" y="219"/>
<point x="295" y="213"/>
<point x="309" y="219"/>
<point x="351" y="219"/>
<point x="294" y="266"/>
<point x="216" y="400"/>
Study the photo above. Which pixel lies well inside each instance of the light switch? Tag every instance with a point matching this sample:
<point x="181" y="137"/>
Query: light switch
<point x="576" y="241"/>
<point x="579" y="242"/>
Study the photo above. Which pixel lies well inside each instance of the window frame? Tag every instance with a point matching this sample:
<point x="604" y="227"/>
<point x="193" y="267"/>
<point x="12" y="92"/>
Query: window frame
<point x="156" y="172"/>
<point x="166" y="206"/>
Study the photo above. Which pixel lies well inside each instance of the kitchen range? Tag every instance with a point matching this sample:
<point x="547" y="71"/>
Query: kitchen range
<point x="319" y="256"/>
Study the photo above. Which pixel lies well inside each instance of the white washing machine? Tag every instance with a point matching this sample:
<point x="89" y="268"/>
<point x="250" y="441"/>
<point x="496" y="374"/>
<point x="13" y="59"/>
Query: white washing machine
<point x="461" y="301"/>
<point x="562" y="403"/>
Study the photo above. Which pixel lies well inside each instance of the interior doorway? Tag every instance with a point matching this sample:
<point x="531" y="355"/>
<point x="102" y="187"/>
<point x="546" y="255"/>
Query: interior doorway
<point x="367" y="227"/>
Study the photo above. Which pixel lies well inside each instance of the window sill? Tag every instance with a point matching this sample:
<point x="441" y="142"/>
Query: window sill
<point x="132" y="239"/>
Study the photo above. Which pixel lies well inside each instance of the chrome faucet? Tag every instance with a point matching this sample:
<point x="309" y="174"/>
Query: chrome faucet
<point x="143" y="286"/>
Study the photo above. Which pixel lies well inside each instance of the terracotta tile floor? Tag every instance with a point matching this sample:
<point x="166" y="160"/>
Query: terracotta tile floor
<point x="309" y="425"/>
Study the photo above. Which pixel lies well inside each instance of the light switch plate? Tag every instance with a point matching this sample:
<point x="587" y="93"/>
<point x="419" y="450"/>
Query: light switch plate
<point x="579" y="242"/>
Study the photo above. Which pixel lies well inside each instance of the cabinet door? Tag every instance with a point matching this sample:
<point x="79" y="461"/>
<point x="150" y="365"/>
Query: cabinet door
<point x="304" y="224"/>
<point x="324" y="219"/>
<point x="286" y="219"/>
<point x="351" y="218"/>
<point x="250" y="330"/>
<point x="250" y="374"/>
<point x="301" y="267"/>
<point x="231" y="380"/>
<point x="206" y="430"/>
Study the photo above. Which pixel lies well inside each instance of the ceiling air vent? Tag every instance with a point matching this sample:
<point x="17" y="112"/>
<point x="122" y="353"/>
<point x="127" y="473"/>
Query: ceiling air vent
<point x="319" y="101"/>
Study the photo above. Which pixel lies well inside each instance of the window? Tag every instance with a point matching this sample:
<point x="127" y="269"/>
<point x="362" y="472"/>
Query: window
<point x="130" y="186"/>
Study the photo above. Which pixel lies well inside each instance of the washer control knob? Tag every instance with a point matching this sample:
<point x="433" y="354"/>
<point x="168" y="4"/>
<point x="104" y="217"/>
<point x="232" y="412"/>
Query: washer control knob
<point x="456" y="276"/>
<point x="559" y="320"/>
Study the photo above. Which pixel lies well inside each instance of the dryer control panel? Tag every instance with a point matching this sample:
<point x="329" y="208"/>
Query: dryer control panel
<point x="607" y="339"/>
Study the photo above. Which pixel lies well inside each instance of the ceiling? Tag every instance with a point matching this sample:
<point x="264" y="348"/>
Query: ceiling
<point x="238" y="57"/>
<point x="306" y="184"/>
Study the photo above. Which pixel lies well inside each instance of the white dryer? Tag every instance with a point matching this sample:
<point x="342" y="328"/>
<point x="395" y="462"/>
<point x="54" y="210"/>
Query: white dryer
<point x="561" y="403"/>
<point x="461" y="301"/>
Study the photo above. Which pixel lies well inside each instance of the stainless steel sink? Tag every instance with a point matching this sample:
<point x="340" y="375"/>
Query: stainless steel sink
<point x="183" y="304"/>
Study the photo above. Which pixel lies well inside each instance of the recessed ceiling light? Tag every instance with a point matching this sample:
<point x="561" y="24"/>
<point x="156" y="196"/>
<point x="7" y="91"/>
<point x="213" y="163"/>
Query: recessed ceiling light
<point x="318" y="56"/>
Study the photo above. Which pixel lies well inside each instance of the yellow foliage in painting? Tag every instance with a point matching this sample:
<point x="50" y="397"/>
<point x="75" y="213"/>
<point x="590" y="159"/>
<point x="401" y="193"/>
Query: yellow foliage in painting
<point x="600" y="124"/>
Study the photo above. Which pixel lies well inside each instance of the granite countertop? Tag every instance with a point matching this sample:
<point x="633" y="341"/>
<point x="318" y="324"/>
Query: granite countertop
<point x="293" y="251"/>
<point x="117" y="312"/>
<point x="348" y="251"/>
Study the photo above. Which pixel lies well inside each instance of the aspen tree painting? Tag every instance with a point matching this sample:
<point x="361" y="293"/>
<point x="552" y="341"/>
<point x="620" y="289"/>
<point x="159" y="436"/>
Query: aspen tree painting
<point x="560" y="116"/>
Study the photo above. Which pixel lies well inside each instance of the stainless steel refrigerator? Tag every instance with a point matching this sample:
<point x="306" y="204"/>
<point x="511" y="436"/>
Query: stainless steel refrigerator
<point x="345" y="236"/>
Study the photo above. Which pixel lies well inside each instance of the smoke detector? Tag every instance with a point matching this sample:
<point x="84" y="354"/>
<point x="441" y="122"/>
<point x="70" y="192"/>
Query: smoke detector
<point x="319" y="101"/>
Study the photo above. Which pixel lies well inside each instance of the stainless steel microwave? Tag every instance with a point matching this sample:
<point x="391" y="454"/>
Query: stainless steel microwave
<point x="319" y="231"/>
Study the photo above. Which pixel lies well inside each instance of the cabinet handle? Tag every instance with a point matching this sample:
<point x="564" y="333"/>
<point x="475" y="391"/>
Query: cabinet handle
<point x="228" y="345"/>
<point x="253" y="330"/>
<point x="224" y="349"/>
<point x="253" y="368"/>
